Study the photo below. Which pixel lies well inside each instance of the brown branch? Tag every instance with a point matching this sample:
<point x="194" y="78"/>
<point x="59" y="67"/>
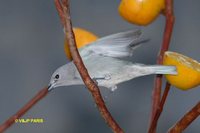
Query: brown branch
<point x="160" y="109"/>
<point x="41" y="94"/>
<point x="64" y="13"/>
<point x="186" y="120"/>
<point x="156" y="94"/>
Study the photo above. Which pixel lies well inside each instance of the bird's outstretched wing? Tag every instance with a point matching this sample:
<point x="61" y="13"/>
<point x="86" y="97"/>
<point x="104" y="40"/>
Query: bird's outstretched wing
<point x="116" y="45"/>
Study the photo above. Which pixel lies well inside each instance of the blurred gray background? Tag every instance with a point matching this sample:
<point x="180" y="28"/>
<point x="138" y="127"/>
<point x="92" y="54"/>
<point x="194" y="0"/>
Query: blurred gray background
<point x="31" y="48"/>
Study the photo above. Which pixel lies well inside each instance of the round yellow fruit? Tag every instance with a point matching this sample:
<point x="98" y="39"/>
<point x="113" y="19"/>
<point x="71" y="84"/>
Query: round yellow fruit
<point x="188" y="71"/>
<point x="82" y="37"/>
<point x="141" y="12"/>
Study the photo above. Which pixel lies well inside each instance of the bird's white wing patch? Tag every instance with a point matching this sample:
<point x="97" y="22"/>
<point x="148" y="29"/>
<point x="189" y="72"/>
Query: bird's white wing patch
<point x="116" y="45"/>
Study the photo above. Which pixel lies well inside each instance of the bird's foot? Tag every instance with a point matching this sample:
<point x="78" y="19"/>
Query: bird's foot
<point x="113" y="88"/>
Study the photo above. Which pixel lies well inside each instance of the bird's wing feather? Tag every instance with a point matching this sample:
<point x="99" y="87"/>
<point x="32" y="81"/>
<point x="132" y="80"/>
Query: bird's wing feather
<point x="116" y="45"/>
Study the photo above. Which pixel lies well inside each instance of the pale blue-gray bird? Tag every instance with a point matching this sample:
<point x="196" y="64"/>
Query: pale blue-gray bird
<point x="105" y="64"/>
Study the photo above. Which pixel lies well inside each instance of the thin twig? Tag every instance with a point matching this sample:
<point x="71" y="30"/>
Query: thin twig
<point x="60" y="11"/>
<point x="186" y="120"/>
<point x="160" y="109"/>
<point x="156" y="94"/>
<point x="93" y="88"/>
<point x="41" y="94"/>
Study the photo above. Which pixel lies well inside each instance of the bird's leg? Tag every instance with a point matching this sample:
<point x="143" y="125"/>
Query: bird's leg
<point x="95" y="80"/>
<point x="105" y="77"/>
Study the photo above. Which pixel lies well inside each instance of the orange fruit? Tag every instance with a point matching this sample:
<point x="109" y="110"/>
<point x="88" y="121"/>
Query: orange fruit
<point x="141" y="12"/>
<point x="188" y="71"/>
<point x="82" y="37"/>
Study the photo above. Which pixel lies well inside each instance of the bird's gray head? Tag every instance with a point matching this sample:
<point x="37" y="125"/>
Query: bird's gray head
<point x="57" y="78"/>
<point x="62" y="76"/>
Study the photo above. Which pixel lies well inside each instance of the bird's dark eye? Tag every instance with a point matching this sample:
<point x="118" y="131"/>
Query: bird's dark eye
<point x="57" y="76"/>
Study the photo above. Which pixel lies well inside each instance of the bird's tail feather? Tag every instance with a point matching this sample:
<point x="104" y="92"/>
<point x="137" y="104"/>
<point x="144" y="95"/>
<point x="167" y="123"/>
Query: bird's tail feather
<point x="160" y="69"/>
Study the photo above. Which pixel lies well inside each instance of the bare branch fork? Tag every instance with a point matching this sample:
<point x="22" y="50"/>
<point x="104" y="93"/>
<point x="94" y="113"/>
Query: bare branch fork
<point x="156" y="94"/>
<point x="160" y="109"/>
<point x="157" y="105"/>
<point x="64" y="13"/>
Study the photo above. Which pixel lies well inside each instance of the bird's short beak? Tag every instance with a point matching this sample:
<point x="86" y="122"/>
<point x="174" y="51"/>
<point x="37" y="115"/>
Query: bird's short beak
<point x="51" y="86"/>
